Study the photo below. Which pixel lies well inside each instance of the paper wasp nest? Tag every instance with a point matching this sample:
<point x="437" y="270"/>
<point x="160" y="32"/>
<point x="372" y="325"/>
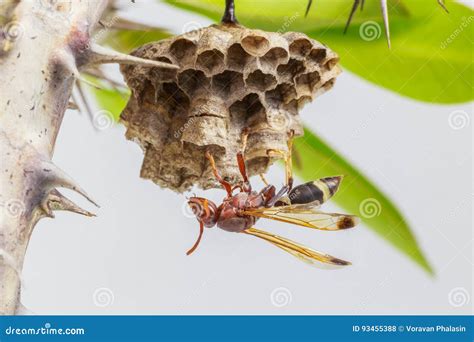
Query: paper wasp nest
<point x="231" y="80"/>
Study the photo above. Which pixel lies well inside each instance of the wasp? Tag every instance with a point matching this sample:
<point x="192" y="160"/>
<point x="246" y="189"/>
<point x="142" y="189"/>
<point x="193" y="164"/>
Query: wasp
<point x="296" y="205"/>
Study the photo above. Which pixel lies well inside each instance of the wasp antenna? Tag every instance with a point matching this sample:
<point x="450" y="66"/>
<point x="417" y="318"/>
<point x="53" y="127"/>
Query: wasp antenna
<point x="196" y="244"/>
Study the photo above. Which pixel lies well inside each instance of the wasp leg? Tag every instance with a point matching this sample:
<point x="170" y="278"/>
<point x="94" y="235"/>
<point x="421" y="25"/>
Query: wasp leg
<point x="226" y="185"/>
<point x="286" y="156"/>
<point x="196" y="244"/>
<point x="283" y="191"/>
<point x="264" y="180"/>
<point x="289" y="161"/>
<point x="229" y="13"/>
<point x="243" y="171"/>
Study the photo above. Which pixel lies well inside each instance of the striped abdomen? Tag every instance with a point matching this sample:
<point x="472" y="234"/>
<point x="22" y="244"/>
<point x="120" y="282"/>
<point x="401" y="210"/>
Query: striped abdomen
<point x="317" y="192"/>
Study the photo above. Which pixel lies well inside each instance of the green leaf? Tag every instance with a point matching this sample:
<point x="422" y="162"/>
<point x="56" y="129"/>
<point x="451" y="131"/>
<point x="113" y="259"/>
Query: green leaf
<point x="128" y="40"/>
<point x="357" y="195"/>
<point x="431" y="56"/>
<point x="112" y="100"/>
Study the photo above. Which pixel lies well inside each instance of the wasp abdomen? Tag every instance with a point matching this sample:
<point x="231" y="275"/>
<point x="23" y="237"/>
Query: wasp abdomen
<point x="318" y="191"/>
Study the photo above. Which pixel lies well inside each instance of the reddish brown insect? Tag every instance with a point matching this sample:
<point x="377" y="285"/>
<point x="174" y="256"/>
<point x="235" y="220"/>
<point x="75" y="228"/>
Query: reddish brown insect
<point x="239" y="212"/>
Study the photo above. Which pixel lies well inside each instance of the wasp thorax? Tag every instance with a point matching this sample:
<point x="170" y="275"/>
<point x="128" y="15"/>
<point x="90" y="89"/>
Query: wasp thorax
<point x="232" y="80"/>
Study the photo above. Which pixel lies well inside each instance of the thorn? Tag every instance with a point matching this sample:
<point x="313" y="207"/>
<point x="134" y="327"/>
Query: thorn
<point x="58" y="178"/>
<point x="72" y="105"/>
<point x="97" y="73"/>
<point x="441" y="3"/>
<point x="354" y="8"/>
<point x="44" y="205"/>
<point x="69" y="62"/>
<point x="102" y="55"/>
<point x="383" y="5"/>
<point x="89" y="83"/>
<point x="57" y="201"/>
<point x="308" y="7"/>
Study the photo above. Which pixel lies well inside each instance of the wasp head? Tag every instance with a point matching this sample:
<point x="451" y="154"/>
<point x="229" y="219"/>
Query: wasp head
<point x="204" y="210"/>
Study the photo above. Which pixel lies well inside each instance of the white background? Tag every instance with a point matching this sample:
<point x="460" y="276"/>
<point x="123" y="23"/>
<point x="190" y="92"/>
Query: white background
<point x="131" y="258"/>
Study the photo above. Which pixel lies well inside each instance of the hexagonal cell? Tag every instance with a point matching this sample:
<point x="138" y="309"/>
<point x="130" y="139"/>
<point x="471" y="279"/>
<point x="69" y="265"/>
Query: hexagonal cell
<point x="291" y="69"/>
<point x="163" y="74"/>
<point x="183" y="50"/>
<point x="247" y="112"/>
<point x="331" y="63"/>
<point x="193" y="82"/>
<point x="206" y="106"/>
<point x="237" y="58"/>
<point x="197" y="127"/>
<point x="173" y="98"/>
<point x="329" y="84"/>
<point x="274" y="57"/>
<point x="300" y="47"/>
<point x="210" y="61"/>
<point x="305" y="83"/>
<point x="303" y="100"/>
<point x="228" y="82"/>
<point x="260" y="81"/>
<point x="317" y="55"/>
<point x="256" y="45"/>
<point x="283" y="93"/>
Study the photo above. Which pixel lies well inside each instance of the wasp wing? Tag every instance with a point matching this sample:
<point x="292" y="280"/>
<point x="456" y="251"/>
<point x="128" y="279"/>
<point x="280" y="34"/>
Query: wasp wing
<point x="305" y="215"/>
<point x="303" y="253"/>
